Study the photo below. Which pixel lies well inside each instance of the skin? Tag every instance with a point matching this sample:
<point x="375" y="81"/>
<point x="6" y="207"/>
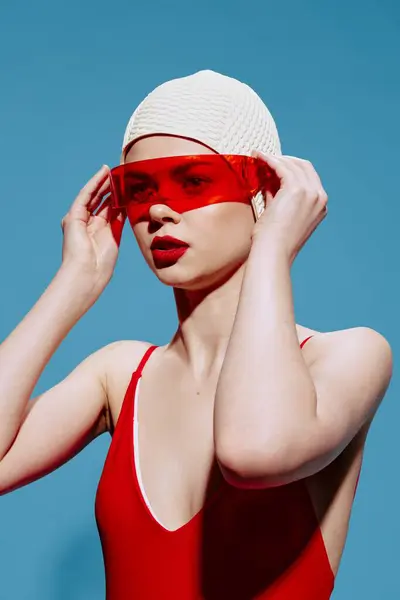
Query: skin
<point x="250" y="406"/>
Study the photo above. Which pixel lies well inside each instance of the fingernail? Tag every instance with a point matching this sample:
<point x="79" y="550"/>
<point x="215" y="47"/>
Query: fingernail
<point x="265" y="155"/>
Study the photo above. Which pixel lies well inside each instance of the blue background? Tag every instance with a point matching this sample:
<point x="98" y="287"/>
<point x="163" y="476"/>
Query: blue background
<point x="71" y="74"/>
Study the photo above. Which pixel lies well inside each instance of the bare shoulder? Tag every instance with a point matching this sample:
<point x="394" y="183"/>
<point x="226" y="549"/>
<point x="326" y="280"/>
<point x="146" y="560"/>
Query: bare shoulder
<point x="122" y="353"/>
<point x="119" y="360"/>
<point x="360" y="345"/>
<point x="353" y="335"/>
<point x="351" y="370"/>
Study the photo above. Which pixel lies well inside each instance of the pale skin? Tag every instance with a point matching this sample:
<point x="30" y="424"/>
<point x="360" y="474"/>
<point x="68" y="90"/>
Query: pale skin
<point x="250" y="406"/>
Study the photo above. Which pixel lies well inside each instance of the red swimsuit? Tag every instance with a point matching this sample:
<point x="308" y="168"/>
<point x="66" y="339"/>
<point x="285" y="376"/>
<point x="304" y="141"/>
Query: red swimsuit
<point x="243" y="545"/>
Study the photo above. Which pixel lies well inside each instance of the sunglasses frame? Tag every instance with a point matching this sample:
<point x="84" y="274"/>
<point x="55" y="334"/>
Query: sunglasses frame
<point x="254" y="179"/>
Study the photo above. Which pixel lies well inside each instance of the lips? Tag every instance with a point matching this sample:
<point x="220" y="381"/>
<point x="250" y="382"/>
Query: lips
<point x="167" y="250"/>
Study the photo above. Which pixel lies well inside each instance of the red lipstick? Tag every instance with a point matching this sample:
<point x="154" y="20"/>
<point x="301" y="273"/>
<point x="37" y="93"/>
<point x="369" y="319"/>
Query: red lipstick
<point x="167" y="250"/>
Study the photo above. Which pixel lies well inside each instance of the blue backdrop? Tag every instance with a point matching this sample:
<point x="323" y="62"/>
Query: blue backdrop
<point x="71" y="74"/>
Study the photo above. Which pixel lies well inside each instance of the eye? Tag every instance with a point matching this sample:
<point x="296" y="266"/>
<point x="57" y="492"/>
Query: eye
<point x="140" y="191"/>
<point x="195" y="183"/>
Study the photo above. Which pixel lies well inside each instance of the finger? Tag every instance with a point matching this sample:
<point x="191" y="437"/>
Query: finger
<point x="111" y="217"/>
<point x="309" y="179"/>
<point x="91" y="189"/>
<point x="107" y="213"/>
<point x="314" y="181"/>
<point x="299" y="174"/>
<point x="278" y="179"/>
<point x="282" y="169"/>
<point x="308" y="168"/>
<point x="117" y="222"/>
<point x="294" y="179"/>
<point x="271" y="181"/>
<point x="313" y="227"/>
<point x="99" y="196"/>
<point x="101" y="215"/>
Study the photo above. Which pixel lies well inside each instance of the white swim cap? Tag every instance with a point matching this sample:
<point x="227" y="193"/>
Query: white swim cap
<point x="218" y="111"/>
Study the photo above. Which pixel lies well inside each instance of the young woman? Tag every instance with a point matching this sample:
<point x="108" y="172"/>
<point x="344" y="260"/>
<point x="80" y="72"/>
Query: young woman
<point x="240" y="479"/>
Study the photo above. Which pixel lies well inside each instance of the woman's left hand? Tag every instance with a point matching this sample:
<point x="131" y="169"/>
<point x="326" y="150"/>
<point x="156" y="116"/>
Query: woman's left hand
<point x="298" y="207"/>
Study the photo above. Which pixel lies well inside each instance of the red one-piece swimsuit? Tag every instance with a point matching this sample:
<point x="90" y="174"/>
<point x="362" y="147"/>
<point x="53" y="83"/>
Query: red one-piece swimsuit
<point x="243" y="545"/>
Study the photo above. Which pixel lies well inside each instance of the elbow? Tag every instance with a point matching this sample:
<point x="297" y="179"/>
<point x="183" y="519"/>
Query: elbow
<point x="269" y="463"/>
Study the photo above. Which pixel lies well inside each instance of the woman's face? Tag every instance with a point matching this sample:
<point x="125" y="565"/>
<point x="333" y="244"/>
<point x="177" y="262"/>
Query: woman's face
<point x="218" y="235"/>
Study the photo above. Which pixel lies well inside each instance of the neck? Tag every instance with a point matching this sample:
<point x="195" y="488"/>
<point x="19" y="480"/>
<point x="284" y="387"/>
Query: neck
<point x="206" y="319"/>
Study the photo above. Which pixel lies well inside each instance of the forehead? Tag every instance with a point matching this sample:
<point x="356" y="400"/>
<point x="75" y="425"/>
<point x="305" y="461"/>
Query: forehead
<point x="160" y="146"/>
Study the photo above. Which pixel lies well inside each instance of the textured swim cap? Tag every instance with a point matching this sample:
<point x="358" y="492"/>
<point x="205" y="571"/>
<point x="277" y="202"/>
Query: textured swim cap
<point x="218" y="111"/>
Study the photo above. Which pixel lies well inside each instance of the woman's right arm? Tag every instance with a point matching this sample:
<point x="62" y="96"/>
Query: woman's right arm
<point x="38" y="436"/>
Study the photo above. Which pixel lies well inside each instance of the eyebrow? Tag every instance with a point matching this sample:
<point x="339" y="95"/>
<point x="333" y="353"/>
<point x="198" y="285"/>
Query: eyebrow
<point x="138" y="175"/>
<point x="182" y="169"/>
<point x="179" y="170"/>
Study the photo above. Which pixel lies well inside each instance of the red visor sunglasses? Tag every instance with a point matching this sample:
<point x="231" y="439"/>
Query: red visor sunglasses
<point x="188" y="182"/>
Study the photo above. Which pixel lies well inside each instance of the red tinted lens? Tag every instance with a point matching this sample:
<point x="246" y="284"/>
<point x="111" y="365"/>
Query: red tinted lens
<point x="187" y="182"/>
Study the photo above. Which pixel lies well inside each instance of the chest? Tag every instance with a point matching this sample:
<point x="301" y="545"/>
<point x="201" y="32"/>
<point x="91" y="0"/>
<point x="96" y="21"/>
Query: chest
<point x="172" y="441"/>
<point x="167" y="431"/>
<point x="173" y="446"/>
<point x="242" y="541"/>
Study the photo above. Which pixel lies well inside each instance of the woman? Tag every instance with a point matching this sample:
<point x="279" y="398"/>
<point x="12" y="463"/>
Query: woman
<point x="252" y="427"/>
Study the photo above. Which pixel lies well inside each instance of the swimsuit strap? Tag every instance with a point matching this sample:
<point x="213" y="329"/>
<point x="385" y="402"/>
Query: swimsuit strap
<point x="144" y="360"/>
<point x="306" y="340"/>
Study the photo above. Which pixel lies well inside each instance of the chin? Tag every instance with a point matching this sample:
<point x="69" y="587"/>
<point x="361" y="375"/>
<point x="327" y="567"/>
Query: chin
<point x="180" y="277"/>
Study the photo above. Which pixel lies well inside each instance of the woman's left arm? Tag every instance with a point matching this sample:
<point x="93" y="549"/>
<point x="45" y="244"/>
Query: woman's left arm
<point x="278" y="418"/>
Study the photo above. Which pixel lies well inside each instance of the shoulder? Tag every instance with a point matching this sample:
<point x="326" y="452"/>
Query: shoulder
<point x="359" y="343"/>
<point x="115" y="364"/>
<point x="118" y="354"/>
<point x="127" y="351"/>
<point x="355" y="362"/>
<point x="121" y="358"/>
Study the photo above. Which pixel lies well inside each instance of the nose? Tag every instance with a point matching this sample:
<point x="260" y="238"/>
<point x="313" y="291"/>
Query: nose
<point x="161" y="213"/>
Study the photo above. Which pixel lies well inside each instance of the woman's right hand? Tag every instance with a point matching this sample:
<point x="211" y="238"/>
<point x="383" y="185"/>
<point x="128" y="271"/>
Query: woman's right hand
<point x="92" y="232"/>
<point x="91" y="241"/>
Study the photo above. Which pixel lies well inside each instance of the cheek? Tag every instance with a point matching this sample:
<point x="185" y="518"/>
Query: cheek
<point x="224" y="229"/>
<point x="220" y="232"/>
<point x="140" y="231"/>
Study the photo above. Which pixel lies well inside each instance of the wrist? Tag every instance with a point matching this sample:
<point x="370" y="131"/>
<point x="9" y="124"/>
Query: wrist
<point x="271" y="244"/>
<point x="74" y="288"/>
